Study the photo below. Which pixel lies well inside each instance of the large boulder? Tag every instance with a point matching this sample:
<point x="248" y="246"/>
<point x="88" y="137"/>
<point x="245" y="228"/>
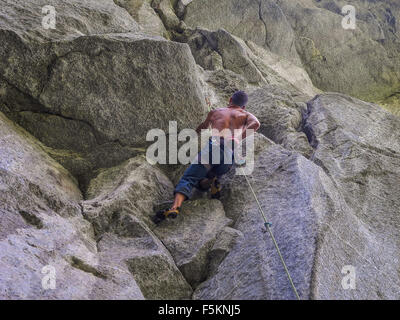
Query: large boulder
<point x="292" y="191"/>
<point x="358" y="145"/>
<point x="134" y="184"/>
<point x="73" y="18"/>
<point x="93" y="98"/>
<point x="18" y="149"/>
<point x="130" y="244"/>
<point x="43" y="230"/>
<point x="281" y="117"/>
<point x="191" y="237"/>
<point x="282" y="72"/>
<point x="341" y="210"/>
<point x="79" y="202"/>
<point x="120" y="204"/>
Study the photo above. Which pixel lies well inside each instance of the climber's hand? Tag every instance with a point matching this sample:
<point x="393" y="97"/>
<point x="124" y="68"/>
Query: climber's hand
<point x="240" y="161"/>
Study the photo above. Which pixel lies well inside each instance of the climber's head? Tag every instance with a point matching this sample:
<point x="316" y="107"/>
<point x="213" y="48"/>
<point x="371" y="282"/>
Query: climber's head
<point x="239" y="99"/>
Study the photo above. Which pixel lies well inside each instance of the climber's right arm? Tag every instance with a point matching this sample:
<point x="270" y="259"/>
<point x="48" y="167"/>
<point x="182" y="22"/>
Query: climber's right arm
<point x="251" y="124"/>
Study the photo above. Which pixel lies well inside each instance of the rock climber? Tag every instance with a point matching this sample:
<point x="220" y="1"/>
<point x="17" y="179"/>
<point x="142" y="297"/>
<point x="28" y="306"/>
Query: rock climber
<point x="228" y="126"/>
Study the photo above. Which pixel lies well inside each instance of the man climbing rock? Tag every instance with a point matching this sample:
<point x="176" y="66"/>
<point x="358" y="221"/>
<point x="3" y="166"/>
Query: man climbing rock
<point x="229" y="126"/>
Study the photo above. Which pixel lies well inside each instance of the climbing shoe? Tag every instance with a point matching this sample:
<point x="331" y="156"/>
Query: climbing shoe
<point x="215" y="189"/>
<point x="164" y="214"/>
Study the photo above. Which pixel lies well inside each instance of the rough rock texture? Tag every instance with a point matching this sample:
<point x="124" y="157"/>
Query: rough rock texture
<point x="363" y="161"/>
<point x="280" y="71"/>
<point x="229" y="64"/>
<point x="134" y="184"/>
<point x="318" y="226"/>
<point x="105" y="91"/>
<point x="280" y="117"/>
<point x="224" y="243"/>
<point x="131" y="244"/>
<point x="42" y="225"/>
<point x="192" y="236"/>
<point x="261" y="22"/>
<point x="233" y="53"/>
<point x="144" y="15"/>
<point x="120" y="205"/>
<point x="358" y="145"/>
<point x="362" y="62"/>
<point x="326" y="172"/>
<point x="167" y="14"/>
<point x="358" y="62"/>
<point x="286" y="184"/>
<point x="321" y="219"/>
<point x="74" y="18"/>
<point x="18" y="149"/>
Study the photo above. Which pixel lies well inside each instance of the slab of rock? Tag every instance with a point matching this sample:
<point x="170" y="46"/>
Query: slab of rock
<point x="130" y="244"/>
<point x="231" y="64"/>
<point x="233" y="53"/>
<point x="280" y="117"/>
<point x="121" y="202"/>
<point x="42" y="244"/>
<point x="120" y="206"/>
<point x="286" y="185"/>
<point x="18" y="149"/>
<point x="358" y="145"/>
<point x="144" y="15"/>
<point x="363" y="62"/>
<point x="262" y="22"/>
<point x="343" y="212"/>
<point x="43" y="233"/>
<point x="165" y="10"/>
<point x="72" y="18"/>
<point x="105" y="89"/>
<point x="191" y="237"/>
<point x="246" y="58"/>
<point x="134" y="185"/>
<point x="224" y="243"/>
<point x="282" y="72"/>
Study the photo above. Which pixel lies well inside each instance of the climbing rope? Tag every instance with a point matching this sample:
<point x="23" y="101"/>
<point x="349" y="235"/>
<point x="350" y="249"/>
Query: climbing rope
<point x="266" y="223"/>
<point x="268" y="226"/>
<point x="208" y="103"/>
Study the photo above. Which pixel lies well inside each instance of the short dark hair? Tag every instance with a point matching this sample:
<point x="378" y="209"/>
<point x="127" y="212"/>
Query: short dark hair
<point x="240" y="98"/>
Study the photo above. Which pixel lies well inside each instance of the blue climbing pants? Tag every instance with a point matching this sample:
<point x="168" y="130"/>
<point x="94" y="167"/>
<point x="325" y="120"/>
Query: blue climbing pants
<point x="207" y="165"/>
